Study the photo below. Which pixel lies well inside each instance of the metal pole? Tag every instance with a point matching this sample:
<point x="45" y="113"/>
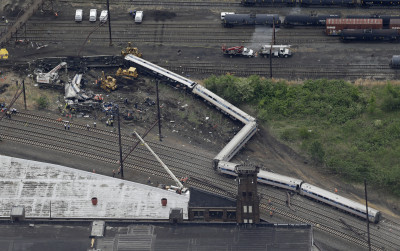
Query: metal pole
<point x="158" y="110"/>
<point x="270" y="61"/>
<point x="274" y="30"/>
<point x="366" y="206"/>
<point x="270" y="49"/>
<point x="109" y="21"/>
<point x="160" y="161"/>
<point x="23" y="86"/>
<point x="120" y="145"/>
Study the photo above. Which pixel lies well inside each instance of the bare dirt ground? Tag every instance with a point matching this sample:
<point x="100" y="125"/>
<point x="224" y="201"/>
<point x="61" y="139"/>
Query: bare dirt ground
<point x="187" y="122"/>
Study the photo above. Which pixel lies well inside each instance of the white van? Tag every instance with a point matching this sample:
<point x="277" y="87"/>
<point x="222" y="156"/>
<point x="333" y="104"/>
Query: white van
<point x="103" y="16"/>
<point x="139" y="17"/>
<point x="93" y="15"/>
<point x="78" y="15"/>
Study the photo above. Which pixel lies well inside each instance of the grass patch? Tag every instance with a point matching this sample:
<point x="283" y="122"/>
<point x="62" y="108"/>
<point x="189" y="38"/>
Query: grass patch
<point x="352" y="129"/>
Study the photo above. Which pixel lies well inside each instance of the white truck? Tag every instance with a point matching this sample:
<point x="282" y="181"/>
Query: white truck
<point x="103" y="16"/>
<point x="281" y="51"/>
<point x="238" y="51"/>
<point x="93" y="15"/>
<point x="78" y="15"/>
<point x="139" y="17"/>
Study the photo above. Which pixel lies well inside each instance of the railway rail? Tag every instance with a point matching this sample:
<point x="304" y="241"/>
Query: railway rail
<point x="225" y="187"/>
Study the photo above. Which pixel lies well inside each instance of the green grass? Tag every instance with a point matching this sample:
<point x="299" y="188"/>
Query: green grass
<point x="351" y="130"/>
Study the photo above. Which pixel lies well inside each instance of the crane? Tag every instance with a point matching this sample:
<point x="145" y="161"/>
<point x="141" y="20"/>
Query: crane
<point x="181" y="188"/>
<point x="51" y="76"/>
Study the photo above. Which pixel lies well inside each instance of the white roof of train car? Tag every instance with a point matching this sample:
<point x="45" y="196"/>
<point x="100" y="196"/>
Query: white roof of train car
<point x="169" y="74"/>
<point x="228" y="107"/>
<point x="337" y="198"/>
<point x="279" y="178"/>
<point x="239" y="137"/>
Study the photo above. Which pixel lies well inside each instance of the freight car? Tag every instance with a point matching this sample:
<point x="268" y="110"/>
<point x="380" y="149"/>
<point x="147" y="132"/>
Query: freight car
<point x="380" y="3"/>
<point x="369" y="35"/>
<point x="307" y="3"/>
<point x="306" y="20"/>
<point x="385" y="18"/>
<point x="311" y="3"/>
<point x="231" y="20"/>
<point x="268" y="2"/>
<point x="335" y="26"/>
<point x="395" y="62"/>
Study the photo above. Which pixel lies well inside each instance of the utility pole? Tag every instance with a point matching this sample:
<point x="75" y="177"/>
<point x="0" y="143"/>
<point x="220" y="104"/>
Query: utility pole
<point x="109" y="21"/>
<point x="274" y="30"/>
<point x="366" y="205"/>
<point x="120" y="145"/>
<point x="23" y="86"/>
<point x="158" y="111"/>
<point x="270" y="49"/>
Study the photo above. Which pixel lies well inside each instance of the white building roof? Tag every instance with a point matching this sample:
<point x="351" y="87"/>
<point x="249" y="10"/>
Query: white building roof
<point x="37" y="185"/>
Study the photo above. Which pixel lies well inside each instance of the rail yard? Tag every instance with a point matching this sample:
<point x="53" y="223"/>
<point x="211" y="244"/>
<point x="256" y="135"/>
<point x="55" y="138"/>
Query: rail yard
<point x="186" y="38"/>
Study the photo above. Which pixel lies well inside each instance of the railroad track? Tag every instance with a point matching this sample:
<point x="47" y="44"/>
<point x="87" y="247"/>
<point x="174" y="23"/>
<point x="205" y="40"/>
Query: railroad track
<point x="225" y="187"/>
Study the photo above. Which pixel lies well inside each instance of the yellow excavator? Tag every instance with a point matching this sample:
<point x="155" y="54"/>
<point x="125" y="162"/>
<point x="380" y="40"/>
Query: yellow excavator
<point x="108" y="84"/>
<point x="131" y="50"/>
<point x="130" y="74"/>
<point x="3" y="53"/>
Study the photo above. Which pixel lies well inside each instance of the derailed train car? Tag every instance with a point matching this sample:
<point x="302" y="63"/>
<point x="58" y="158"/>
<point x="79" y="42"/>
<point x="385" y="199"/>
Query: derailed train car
<point x="369" y="35"/>
<point x="307" y="190"/>
<point x="340" y="202"/>
<point x="231" y="20"/>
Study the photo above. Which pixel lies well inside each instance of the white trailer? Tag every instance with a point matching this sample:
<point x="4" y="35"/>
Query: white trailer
<point x="281" y="51"/>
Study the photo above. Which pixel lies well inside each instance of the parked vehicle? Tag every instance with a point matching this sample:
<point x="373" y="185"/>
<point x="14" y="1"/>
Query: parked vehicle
<point x="139" y="17"/>
<point x="103" y="16"/>
<point x="395" y="62"/>
<point x="238" y="51"/>
<point x="280" y="51"/>
<point x="93" y="15"/>
<point x="78" y="15"/>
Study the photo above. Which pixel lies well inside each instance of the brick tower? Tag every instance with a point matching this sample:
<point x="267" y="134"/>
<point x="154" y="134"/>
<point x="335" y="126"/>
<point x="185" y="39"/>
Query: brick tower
<point x="247" y="207"/>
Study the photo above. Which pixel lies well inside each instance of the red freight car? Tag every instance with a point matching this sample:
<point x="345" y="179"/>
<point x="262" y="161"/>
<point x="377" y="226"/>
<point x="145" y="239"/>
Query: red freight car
<point x="395" y="24"/>
<point x="334" y="26"/>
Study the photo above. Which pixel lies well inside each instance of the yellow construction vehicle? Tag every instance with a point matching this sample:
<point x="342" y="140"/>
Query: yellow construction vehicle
<point x="131" y="50"/>
<point x="3" y="53"/>
<point x="109" y="83"/>
<point x="130" y="74"/>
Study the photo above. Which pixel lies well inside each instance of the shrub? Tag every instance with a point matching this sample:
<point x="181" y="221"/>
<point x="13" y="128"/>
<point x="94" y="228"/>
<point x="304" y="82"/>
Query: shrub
<point x="42" y="102"/>
<point x="317" y="152"/>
